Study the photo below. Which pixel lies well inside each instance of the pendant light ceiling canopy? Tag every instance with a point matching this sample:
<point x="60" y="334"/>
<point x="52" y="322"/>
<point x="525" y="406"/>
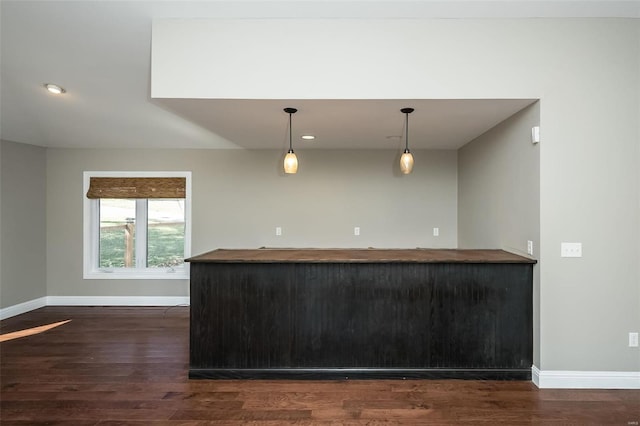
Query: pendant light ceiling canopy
<point x="406" y="160"/>
<point x="290" y="160"/>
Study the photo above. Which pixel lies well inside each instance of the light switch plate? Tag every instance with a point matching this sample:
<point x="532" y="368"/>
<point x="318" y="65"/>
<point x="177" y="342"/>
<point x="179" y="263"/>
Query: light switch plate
<point x="571" y="250"/>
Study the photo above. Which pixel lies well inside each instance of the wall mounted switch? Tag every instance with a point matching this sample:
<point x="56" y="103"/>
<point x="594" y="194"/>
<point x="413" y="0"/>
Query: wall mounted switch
<point x="530" y="247"/>
<point x="571" y="250"/>
<point x="356" y="231"/>
<point x="436" y="232"/>
<point x="278" y="231"/>
<point x="633" y="340"/>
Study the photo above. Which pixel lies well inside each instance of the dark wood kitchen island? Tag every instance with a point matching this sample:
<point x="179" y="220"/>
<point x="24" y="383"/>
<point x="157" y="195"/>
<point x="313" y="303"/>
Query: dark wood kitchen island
<point x="361" y="313"/>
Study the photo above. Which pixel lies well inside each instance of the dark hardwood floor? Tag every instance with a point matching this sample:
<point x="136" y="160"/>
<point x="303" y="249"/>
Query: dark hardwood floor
<point x="116" y="366"/>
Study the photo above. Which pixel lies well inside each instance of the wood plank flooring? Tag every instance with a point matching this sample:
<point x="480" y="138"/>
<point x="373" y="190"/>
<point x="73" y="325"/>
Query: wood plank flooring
<point x="121" y="366"/>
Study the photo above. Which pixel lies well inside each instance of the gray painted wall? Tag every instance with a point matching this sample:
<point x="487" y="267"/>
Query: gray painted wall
<point x="22" y="229"/>
<point x="1" y="233"/>
<point x="240" y="196"/>
<point x="499" y="194"/>
<point x="499" y="186"/>
<point x="585" y="73"/>
<point x="589" y="190"/>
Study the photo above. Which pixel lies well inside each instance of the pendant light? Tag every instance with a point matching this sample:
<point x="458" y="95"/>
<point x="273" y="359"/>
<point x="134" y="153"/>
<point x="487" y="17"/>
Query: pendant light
<point x="406" y="161"/>
<point x="290" y="160"/>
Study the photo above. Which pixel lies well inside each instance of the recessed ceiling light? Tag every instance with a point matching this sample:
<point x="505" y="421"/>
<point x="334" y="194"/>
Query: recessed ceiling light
<point x="54" y="88"/>
<point x="308" y="137"/>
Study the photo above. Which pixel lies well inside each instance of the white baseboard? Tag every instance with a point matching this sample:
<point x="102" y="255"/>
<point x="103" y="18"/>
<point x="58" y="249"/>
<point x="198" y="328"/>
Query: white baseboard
<point x="23" y="308"/>
<point x="554" y="379"/>
<point x="117" y="300"/>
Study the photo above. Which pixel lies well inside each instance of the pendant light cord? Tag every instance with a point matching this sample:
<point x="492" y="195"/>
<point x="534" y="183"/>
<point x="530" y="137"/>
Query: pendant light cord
<point x="290" y="146"/>
<point x="406" y="112"/>
<point x="406" y="139"/>
<point x="290" y="111"/>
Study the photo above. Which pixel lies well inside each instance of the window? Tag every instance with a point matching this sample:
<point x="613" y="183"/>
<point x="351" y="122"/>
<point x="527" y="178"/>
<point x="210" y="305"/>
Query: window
<point x="137" y="225"/>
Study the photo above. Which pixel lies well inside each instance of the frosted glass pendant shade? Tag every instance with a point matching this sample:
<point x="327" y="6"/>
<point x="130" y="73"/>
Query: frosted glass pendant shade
<point x="290" y="163"/>
<point x="406" y="162"/>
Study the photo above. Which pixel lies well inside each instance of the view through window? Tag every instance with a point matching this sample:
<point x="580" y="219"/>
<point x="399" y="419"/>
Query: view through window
<point x="120" y="226"/>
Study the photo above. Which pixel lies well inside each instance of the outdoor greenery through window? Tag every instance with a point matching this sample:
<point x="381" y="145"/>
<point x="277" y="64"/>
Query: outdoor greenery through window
<point x="136" y="225"/>
<point x="165" y="235"/>
<point x="120" y="226"/>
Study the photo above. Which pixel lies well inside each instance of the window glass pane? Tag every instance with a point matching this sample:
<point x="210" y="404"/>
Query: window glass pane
<point x="165" y="233"/>
<point x="117" y="233"/>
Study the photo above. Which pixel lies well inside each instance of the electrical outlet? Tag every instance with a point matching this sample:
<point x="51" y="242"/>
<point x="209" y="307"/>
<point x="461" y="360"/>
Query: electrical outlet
<point x="436" y="232"/>
<point x="356" y="231"/>
<point x="530" y="247"/>
<point x="278" y="231"/>
<point x="571" y="250"/>
<point x="633" y="340"/>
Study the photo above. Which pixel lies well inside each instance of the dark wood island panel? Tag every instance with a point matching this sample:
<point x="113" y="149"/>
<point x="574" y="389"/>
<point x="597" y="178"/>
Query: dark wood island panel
<point x="324" y="314"/>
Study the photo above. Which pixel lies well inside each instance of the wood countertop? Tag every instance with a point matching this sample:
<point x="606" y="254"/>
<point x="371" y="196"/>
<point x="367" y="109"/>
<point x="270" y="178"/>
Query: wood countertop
<point x="419" y="255"/>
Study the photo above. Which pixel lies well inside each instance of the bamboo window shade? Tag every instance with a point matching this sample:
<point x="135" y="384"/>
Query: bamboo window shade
<point x="151" y="187"/>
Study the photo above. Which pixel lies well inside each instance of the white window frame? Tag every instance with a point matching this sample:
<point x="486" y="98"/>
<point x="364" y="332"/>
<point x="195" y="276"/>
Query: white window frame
<point x="91" y="234"/>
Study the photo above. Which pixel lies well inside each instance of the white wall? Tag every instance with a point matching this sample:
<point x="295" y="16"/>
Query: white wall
<point x="22" y="230"/>
<point x="499" y="195"/>
<point x="584" y="71"/>
<point x="240" y="196"/>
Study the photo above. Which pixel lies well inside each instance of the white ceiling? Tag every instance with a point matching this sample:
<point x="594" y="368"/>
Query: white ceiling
<point x="100" y="52"/>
